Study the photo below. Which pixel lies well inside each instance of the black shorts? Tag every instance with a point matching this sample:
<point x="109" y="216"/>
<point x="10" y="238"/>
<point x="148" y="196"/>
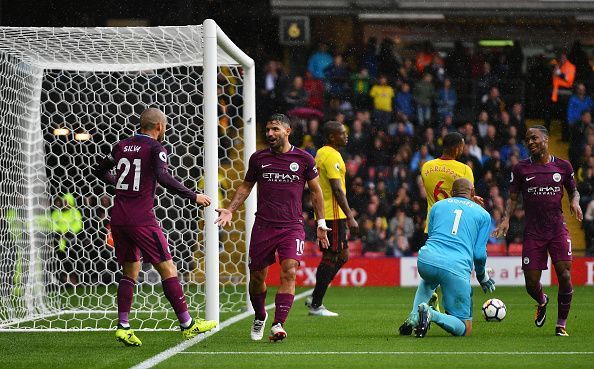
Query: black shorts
<point x="337" y="236"/>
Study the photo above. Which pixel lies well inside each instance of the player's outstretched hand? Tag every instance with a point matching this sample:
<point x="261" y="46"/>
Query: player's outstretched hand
<point x="322" y="233"/>
<point x="202" y="199"/>
<point x="224" y="217"/>
<point x="501" y="230"/>
<point x="353" y="226"/>
<point x="479" y="200"/>
<point x="487" y="283"/>
<point x="576" y="210"/>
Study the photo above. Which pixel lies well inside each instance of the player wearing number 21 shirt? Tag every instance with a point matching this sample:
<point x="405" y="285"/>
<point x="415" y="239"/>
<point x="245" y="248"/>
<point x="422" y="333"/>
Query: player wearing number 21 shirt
<point x="140" y="162"/>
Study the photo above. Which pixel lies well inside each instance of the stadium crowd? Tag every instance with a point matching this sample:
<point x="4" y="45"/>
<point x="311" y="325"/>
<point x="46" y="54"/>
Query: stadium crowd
<point x="398" y="105"/>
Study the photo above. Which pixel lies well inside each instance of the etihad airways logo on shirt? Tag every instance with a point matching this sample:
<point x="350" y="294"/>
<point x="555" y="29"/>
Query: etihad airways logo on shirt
<point x="544" y="190"/>
<point x="280" y="177"/>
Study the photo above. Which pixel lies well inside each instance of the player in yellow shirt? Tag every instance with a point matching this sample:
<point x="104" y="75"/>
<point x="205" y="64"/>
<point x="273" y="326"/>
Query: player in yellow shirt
<point x="332" y="180"/>
<point x="438" y="177"/>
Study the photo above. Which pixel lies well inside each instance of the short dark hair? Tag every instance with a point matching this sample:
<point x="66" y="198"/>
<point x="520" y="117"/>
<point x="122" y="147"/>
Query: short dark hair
<point x="281" y="118"/>
<point x="330" y="127"/>
<point x="452" y="140"/>
<point x="543" y="129"/>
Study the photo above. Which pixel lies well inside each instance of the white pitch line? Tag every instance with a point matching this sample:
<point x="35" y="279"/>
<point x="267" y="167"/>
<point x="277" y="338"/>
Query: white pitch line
<point x="159" y="358"/>
<point x="386" y="353"/>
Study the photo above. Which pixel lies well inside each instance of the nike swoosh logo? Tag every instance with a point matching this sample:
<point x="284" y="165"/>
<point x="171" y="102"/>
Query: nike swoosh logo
<point x="265" y="165"/>
<point x="530" y="178"/>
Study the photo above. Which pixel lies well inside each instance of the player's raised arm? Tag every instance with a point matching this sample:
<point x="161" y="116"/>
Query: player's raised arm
<point x="242" y="193"/>
<point x="166" y="180"/>
<point x="317" y="199"/>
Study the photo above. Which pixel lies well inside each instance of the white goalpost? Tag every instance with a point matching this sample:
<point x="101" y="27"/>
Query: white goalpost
<point x="66" y="96"/>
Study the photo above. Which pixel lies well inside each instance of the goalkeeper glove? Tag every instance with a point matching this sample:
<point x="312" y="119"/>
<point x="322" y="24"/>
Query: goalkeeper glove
<point x="487" y="283"/>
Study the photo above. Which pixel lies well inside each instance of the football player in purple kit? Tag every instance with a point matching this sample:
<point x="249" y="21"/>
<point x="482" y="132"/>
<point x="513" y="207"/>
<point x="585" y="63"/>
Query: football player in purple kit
<point x="141" y="162"/>
<point x="281" y="171"/>
<point x="540" y="180"/>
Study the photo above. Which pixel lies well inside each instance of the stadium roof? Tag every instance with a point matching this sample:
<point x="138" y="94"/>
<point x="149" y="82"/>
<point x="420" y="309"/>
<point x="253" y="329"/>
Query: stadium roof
<point x="580" y="10"/>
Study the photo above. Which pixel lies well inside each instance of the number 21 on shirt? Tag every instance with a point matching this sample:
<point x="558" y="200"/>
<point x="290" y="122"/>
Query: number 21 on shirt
<point x="124" y="162"/>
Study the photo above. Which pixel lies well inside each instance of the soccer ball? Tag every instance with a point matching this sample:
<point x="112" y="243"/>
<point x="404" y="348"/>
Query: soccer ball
<point x="494" y="310"/>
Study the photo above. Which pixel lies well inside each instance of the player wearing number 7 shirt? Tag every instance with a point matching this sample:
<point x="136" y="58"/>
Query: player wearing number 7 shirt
<point x="540" y="180"/>
<point x="141" y="162"/>
<point x="281" y="171"/>
<point x="438" y="178"/>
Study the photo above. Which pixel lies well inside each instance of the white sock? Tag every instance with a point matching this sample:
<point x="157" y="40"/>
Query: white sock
<point x="186" y="324"/>
<point x="125" y="325"/>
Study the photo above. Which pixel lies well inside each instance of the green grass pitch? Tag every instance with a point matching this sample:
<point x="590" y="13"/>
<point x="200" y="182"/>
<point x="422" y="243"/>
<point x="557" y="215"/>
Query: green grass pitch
<point x="363" y="336"/>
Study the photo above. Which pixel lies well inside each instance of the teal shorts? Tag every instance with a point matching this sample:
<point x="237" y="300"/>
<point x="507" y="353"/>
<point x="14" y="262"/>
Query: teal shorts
<point x="456" y="290"/>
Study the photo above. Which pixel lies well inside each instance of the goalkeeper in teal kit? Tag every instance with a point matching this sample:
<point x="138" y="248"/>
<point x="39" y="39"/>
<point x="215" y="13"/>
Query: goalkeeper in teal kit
<point x="458" y="233"/>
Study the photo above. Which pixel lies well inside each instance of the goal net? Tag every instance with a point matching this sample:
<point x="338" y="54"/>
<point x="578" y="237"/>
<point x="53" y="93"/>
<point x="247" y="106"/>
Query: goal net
<point x="67" y="95"/>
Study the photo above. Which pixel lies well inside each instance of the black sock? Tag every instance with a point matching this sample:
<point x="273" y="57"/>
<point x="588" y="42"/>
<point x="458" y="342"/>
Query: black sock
<point x="324" y="276"/>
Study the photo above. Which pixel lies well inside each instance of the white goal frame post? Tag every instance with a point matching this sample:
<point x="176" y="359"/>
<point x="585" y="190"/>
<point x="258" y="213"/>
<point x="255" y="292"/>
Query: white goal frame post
<point x="217" y="50"/>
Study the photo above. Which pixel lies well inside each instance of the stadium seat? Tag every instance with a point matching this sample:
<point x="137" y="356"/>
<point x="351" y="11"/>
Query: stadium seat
<point x="515" y="249"/>
<point x="496" y="249"/>
<point x="374" y="254"/>
<point x="355" y="248"/>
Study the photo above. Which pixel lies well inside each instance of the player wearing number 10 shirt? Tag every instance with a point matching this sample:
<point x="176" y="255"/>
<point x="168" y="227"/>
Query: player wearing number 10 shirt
<point x="141" y="162"/>
<point x="281" y="172"/>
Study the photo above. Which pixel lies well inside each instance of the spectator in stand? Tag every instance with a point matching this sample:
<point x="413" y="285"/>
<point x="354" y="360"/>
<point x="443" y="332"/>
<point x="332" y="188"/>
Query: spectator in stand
<point x="403" y="76"/>
<point x="369" y="60"/>
<point x="315" y="91"/>
<point x="482" y="124"/>
<point x="398" y="244"/>
<point x="357" y="196"/>
<point x="378" y="156"/>
<point x="429" y="141"/>
<point x="579" y="58"/>
<point x="493" y="138"/>
<point x="337" y="78"/>
<point x="578" y="103"/>
<point x="513" y="146"/>
<point x="359" y="140"/>
<point x="382" y="95"/>
<point x="517" y="120"/>
<point x="295" y="96"/>
<point x="446" y="100"/>
<point x="313" y="129"/>
<point x="424" y="92"/>
<point x="447" y="124"/>
<point x="419" y="158"/>
<point x="388" y="59"/>
<point x="272" y="88"/>
<point x="360" y="87"/>
<point x="404" y="101"/>
<point x="458" y="62"/>
<point x="424" y="58"/>
<point x="494" y="105"/>
<point x="579" y="135"/>
<point x="319" y="61"/>
<point x="485" y="82"/>
<point x="474" y="149"/>
<point x="403" y="222"/>
<point x="563" y="78"/>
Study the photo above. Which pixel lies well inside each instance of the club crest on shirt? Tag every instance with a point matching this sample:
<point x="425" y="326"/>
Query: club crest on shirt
<point x="556" y="177"/>
<point x="294" y="167"/>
